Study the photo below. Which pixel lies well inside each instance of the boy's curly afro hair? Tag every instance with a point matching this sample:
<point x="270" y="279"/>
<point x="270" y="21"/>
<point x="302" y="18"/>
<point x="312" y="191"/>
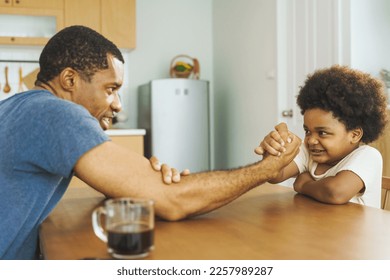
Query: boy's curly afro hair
<point x="355" y="98"/>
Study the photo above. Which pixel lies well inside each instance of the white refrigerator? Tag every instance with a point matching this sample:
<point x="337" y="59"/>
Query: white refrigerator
<point x="175" y="114"/>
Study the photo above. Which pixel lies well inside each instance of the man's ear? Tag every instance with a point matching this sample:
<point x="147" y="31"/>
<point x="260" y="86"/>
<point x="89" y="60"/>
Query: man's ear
<point x="68" y="78"/>
<point x="357" y="135"/>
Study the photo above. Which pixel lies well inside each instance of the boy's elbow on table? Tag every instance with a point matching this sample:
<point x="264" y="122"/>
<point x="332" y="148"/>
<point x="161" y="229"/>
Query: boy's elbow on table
<point x="332" y="195"/>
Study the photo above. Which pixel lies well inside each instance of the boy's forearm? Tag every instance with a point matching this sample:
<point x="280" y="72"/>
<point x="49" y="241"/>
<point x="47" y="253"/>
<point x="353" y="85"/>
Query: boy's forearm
<point x="322" y="190"/>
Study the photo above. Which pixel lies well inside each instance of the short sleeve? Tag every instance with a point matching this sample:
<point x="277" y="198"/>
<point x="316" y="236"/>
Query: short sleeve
<point x="364" y="162"/>
<point x="302" y="159"/>
<point x="60" y="133"/>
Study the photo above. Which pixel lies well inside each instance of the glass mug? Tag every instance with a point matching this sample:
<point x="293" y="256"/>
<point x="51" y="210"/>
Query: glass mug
<point x="128" y="229"/>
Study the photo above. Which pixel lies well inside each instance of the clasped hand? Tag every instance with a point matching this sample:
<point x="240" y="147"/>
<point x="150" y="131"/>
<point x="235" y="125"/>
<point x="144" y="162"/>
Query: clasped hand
<point x="274" y="143"/>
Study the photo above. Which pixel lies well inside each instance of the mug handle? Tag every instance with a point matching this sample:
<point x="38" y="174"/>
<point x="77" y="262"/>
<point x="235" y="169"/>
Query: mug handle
<point x="97" y="224"/>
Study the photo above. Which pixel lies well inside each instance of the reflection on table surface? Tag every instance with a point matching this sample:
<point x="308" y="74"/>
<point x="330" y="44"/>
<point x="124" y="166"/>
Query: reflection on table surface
<point x="269" y="222"/>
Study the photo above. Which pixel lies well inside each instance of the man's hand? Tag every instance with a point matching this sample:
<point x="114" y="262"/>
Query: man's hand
<point x="169" y="174"/>
<point x="278" y="149"/>
<point x="274" y="143"/>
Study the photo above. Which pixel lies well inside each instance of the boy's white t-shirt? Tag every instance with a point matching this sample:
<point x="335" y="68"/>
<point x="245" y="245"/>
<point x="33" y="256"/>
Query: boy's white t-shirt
<point x="365" y="161"/>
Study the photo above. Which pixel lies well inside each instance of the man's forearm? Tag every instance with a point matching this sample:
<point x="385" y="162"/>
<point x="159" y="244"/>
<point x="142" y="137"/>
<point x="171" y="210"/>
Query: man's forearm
<point x="202" y="192"/>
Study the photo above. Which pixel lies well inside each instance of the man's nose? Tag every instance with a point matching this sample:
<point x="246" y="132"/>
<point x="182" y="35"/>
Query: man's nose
<point x="116" y="104"/>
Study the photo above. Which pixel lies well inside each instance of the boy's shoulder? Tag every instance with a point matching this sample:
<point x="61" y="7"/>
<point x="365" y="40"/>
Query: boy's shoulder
<point x="365" y="152"/>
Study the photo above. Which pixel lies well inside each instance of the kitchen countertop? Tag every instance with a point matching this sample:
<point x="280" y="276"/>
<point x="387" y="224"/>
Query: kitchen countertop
<point x="125" y="132"/>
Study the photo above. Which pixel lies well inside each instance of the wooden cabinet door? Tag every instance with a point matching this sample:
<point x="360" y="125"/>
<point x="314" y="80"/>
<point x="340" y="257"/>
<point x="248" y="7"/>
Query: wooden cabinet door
<point x="41" y="4"/>
<point x="6" y="3"/>
<point x="383" y="146"/>
<point x="118" y="22"/>
<point x="133" y="143"/>
<point x="82" y="12"/>
<point x="29" y="12"/>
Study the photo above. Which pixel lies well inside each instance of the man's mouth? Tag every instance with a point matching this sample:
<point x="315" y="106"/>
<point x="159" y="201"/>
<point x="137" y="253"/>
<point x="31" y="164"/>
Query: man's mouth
<point x="106" y="122"/>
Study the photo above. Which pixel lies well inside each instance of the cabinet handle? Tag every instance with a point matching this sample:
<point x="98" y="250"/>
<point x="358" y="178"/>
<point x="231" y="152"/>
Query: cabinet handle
<point x="17" y="1"/>
<point x="6" y="1"/>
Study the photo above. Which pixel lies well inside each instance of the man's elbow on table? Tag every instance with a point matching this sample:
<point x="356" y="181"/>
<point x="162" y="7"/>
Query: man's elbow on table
<point x="171" y="215"/>
<point x="170" y="210"/>
<point x="179" y="202"/>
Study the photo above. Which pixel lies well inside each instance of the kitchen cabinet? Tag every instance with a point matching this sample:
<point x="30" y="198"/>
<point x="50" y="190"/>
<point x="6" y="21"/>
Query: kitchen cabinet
<point x="40" y="4"/>
<point x="383" y="146"/>
<point x="118" y="22"/>
<point x="115" y="19"/>
<point x="30" y="22"/>
<point x="131" y="142"/>
<point x="82" y="12"/>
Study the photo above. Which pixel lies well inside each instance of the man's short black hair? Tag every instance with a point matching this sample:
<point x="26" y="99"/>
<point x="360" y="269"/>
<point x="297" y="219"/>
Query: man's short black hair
<point x="79" y="48"/>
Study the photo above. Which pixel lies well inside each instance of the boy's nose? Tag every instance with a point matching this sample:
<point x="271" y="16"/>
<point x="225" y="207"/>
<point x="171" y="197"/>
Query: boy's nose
<point x="312" y="140"/>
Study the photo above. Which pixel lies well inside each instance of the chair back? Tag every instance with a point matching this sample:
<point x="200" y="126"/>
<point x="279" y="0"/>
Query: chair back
<point x="385" y="204"/>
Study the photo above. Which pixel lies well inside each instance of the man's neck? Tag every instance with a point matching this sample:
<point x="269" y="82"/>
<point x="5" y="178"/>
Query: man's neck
<point x="49" y="87"/>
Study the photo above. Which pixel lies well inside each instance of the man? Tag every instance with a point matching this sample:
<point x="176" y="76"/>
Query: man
<point x="56" y="131"/>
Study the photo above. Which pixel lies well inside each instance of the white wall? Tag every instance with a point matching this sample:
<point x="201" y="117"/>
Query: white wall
<point x="244" y="87"/>
<point x="370" y="35"/>
<point x="165" y="29"/>
<point x="234" y="42"/>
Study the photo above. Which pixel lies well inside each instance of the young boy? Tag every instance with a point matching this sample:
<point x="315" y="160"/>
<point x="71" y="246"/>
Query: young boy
<point x="343" y="110"/>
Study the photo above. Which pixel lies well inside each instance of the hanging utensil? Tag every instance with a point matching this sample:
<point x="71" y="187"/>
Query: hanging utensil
<point x="29" y="79"/>
<point x="7" y="87"/>
<point x="21" y="88"/>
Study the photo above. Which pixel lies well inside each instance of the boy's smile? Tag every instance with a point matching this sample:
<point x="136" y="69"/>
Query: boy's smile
<point x="326" y="138"/>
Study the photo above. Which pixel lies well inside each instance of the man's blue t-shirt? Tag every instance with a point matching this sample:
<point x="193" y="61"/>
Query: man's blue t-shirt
<point x="41" y="139"/>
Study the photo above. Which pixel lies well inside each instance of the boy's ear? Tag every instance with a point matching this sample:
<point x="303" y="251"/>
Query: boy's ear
<point x="357" y="135"/>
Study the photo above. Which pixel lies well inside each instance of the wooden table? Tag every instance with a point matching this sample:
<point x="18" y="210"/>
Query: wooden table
<point x="270" y="222"/>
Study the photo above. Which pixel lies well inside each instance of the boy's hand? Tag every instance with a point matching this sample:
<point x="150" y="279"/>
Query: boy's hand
<point x="169" y="174"/>
<point x="275" y="141"/>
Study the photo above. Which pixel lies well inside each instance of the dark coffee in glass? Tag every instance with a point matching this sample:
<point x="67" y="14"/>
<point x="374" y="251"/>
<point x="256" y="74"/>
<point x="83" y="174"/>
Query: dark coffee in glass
<point x="130" y="239"/>
<point x="128" y="229"/>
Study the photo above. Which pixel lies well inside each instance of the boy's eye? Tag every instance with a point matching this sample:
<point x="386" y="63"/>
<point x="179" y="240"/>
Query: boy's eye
<point x="322" y="133"/>
<point x="307" y="132"/>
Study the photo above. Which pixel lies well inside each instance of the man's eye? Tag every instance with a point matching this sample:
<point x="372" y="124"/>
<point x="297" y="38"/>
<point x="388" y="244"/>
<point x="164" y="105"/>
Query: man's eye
<point x="322" y="133"/>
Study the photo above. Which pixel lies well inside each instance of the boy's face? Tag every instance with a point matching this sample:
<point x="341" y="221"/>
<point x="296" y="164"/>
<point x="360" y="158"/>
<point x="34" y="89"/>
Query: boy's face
<point x="326" y="138"/>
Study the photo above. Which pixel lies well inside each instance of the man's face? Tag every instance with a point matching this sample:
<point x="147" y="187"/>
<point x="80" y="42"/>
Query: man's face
<point x="100" y="95"/>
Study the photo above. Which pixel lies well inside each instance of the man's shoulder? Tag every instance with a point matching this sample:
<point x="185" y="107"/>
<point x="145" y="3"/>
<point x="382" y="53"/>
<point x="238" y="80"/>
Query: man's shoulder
<point x="45" y="97"/>
<point x="44" y="102"/>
